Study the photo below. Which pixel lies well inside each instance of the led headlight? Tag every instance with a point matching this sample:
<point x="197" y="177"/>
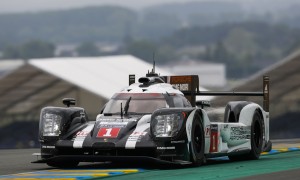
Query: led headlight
<point x="166" y="125"/>
<point x="51" y="124"/>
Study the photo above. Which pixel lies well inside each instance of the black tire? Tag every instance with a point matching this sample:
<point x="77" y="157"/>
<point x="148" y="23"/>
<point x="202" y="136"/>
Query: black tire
<point x="268" y="147"/>
<point x="256" y="139"/>
<point x="256" y="136"/>
<point x="69" y="164"/>
<point x="197" y="142"/>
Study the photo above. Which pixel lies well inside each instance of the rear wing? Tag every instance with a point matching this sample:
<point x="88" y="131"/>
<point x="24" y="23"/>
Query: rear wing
<point x="189" y="86"/>
<point x="192" y="92"/>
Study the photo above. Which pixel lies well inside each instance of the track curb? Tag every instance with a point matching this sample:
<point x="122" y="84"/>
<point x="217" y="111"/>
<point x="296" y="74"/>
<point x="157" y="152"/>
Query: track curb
<point x="281" y="150"/>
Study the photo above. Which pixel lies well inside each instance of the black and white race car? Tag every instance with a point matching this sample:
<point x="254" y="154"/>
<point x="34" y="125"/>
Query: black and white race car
<point x="156" y="119"/>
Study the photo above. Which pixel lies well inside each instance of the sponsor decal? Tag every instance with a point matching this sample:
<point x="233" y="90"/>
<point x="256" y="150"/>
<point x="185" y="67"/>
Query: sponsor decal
<point x="108" y="132"/>
<point x="181" y="87"/>
<point x="112" y="124"/>
<point x="134" y="139"/>
<point x="214" y="127"/>
<point x="163" y="148"/>
<point x="177" y="142"/>
<point x="207" y="131"/>
<point x="48" y="147"/>
<point x="138" y="133"/>
<point x="180" y="79"/>
<point x="214" y="138"/>
<point x="207" y="103"/>
<point x="81" y="135"/>
<point x="136" y="136"/>
<point x="239" y="133"/>
<point x="116" y="120"/>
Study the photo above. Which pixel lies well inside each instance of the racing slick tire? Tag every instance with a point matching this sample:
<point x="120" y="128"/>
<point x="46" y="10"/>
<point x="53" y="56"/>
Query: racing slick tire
<point x="256" y="136"/>
<point x="197" y="142"/>
<point x="256" y="139"/>
<point x="268" y="147"/>
<point x="68" y="164"/>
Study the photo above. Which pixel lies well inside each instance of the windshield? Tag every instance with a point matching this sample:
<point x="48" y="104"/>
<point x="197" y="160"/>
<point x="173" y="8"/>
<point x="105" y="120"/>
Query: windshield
<point x="138" y="104"/>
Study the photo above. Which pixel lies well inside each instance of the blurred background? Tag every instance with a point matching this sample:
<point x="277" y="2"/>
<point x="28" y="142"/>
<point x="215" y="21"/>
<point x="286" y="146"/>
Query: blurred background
<point x="230" y="44"/>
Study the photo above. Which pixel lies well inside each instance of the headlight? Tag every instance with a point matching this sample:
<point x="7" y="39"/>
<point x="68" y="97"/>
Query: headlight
<point x="166" y="125"/>
<point x="51" y="124"/>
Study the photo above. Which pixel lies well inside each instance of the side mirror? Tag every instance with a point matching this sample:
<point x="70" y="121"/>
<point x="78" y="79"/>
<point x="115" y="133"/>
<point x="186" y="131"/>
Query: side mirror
<point x="203" y="104"/>
<point x="69" y="101"/>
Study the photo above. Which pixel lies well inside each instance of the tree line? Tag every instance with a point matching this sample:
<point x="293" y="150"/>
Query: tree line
<point x="244" y="47"/>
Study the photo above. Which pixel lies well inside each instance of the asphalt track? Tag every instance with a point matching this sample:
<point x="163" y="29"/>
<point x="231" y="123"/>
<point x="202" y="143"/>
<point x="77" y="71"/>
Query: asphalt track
<point x="279" y="164"/>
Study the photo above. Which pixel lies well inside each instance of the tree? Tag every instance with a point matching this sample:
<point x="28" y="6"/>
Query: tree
<point x="37" y="49"/>
<point x="87" y="49"/>
<point x="32" y="49"/>
<point x="165" y="54"/>
<point x="220" y="53"/>
<point x="141" y="49"/>
<point x="11" y="52"/>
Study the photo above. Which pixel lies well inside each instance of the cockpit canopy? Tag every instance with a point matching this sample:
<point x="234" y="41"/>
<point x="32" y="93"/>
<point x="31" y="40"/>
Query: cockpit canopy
<point x="143" y="103"/>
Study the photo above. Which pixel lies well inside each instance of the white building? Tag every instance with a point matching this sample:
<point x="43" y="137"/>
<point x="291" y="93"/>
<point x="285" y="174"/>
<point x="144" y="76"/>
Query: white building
<point x="44" y="82"/>
<point x="9" y="65"/>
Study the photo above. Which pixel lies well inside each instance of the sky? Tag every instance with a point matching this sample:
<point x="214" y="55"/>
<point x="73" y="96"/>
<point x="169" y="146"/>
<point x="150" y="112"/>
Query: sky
<point x="7" y="6"/>
<point x="12" y="6"/>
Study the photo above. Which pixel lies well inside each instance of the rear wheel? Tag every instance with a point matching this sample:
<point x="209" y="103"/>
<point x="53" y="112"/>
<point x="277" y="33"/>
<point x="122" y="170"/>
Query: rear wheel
<point x="256" y="139"/>
<point x="69" y="164"/>
<point x="197" y="142"/>
<point x="256" y="136"/>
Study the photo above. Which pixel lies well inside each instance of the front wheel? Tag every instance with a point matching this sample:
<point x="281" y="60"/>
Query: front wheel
<point x="197" y="142"/>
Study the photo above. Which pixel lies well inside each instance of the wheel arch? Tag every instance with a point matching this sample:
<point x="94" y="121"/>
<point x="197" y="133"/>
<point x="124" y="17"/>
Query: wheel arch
<point x="247" y="113"/>
<point x="233" y="110"/>
<point x="204" y="120"/>
<point x="246" y="118"/>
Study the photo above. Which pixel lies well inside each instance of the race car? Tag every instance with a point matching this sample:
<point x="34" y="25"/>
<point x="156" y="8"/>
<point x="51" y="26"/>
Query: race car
<point x="157" y="119"/>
